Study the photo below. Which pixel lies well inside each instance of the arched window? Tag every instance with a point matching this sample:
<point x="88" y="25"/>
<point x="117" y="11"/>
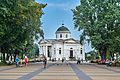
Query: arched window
<point x="71" y="52"/>
<point x="59" y="50"/>
<point x="66" y="36"/>
<point x="81" y="51"/>
<point x="60" y="35"/>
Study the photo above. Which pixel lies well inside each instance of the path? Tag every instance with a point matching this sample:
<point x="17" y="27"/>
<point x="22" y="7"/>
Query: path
<point x="60" y="72"/>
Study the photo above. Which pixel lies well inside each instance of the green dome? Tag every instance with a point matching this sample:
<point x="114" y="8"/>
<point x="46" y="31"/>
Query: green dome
<point x="62" y="29"/>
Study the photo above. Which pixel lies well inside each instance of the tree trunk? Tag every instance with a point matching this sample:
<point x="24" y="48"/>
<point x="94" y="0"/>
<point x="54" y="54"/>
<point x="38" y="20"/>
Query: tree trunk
<point x="112" y="56"/>
<point x="10" y="56"/>
<point x="3" y="57"/>
<point x="14" y="57"/>
<point x="103" y="51"/>
<point x="7" y="58"/>
<point x="3" y="52"/>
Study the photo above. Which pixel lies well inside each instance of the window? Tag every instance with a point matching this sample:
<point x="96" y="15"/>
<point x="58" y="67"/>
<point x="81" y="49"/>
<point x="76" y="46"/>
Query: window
<point x="54" y="51"/>
<point x="81" y="51"/>
<point x="66" y="35"/>
<point x="60" y="35"/>
<point x="59" y="50"/>
<point x="71" y="48"/>
<point x="48" y="53"/>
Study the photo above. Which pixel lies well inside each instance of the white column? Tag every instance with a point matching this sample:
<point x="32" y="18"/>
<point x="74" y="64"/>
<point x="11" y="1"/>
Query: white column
<point x="83" y="52"/>
<point x="46" y="51"/>
<point x="43" y="50"/>
<point x="63" y="50"/>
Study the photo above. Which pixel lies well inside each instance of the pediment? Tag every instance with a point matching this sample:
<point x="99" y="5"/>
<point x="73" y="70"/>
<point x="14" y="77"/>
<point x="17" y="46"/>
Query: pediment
<point x="43" y="41"/>
<point x="70" y="41"/>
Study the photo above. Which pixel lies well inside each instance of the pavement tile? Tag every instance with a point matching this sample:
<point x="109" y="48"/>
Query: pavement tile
<point x="105" y="78"/>
<point x="2" y="74"/>
<point x="55" y="78"/>
<point x="9" y="77"/>
<point x="103" y="74"/>
<point x="57" y="74"/>
<point x="100" y="72"/>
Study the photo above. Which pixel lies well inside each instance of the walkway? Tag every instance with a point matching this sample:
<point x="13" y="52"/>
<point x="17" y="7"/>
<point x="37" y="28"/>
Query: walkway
<point x="60" y="72"/>
<point x="100" y="72"/>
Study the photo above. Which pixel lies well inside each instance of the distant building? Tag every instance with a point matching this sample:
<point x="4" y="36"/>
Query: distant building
<point x="62" y="47"/>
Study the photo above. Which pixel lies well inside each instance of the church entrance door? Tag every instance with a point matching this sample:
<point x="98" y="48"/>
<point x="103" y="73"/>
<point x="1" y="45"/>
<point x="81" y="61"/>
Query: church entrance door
<point x="71" y="53"/>
<point x="49" y="52"/>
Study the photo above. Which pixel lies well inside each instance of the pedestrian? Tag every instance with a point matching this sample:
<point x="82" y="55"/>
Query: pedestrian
<point x="78" y="61"/>
<point x="17" y="61"/>
<point x="26" y="60"/>
<point x="45" y="61"/>
<point x="62" y="60"/>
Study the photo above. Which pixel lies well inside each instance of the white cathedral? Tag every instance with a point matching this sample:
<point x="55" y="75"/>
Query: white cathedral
<point x="62" y="47"/>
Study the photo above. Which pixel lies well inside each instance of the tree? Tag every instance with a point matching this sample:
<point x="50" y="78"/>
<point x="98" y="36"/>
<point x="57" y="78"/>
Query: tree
<point x="35" y="51"/>
<point x="19" y="23"/>
<point x="99" y="21"/>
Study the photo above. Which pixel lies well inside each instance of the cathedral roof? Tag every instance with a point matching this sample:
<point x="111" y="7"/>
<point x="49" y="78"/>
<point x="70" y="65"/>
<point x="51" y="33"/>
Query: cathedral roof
<point x="51" y="41"/>
<point x="62" y="29"/>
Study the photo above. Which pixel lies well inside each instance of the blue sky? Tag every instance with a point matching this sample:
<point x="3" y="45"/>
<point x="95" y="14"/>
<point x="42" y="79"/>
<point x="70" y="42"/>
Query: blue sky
<point x="56" y="13"/>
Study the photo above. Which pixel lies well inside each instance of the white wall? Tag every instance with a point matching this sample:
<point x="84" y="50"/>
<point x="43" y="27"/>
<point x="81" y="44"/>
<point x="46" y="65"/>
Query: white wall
<point x="63" y="35"/>
<point x="65" y="50"/>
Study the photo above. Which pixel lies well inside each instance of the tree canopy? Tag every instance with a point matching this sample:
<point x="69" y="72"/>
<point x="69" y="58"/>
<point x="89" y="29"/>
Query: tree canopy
<point x="19" y="23"/>
<point x="99" y="21"/>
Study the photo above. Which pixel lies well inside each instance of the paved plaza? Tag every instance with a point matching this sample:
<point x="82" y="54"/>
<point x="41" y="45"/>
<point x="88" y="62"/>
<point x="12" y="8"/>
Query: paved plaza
<point x="61" y="71"/>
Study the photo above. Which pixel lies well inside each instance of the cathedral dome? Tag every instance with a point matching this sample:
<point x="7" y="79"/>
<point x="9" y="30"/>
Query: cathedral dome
<point x="62" y="29"/>
<point x="63" y="33"/>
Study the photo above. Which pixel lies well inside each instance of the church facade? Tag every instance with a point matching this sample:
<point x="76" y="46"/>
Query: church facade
<point x="62" y="47"/>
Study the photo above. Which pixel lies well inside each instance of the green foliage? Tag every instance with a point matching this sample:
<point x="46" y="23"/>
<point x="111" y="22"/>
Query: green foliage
<point x="34" y="51"/>
<point x="92" y="55"/>
<point x="19" y="23"/>
<point x="99" y="21"/>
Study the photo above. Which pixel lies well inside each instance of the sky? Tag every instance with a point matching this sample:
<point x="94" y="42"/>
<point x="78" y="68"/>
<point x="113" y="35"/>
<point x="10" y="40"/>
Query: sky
<point x="58" y="12"/>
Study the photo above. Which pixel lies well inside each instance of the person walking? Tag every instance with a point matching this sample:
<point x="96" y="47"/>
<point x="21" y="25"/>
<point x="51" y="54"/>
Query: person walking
<point x="62" y="60"/>
<point x="17" y="61"/>
<point x="78" y="61"/>
<point x="26" y="60"/>
<point x="45" y="61"/>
